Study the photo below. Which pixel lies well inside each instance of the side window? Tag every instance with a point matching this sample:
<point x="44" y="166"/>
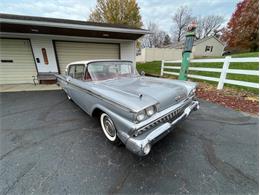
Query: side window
<point x="71" y="71"/>
<point x="79" y="72"/>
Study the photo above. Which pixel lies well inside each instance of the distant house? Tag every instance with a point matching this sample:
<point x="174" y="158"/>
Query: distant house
<point x="208" y="46"/>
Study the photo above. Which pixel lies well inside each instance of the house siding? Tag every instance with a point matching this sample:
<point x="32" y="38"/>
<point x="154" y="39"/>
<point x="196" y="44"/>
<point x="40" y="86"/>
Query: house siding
<point x="199" y="49"/>
<point x="128" y="51"/>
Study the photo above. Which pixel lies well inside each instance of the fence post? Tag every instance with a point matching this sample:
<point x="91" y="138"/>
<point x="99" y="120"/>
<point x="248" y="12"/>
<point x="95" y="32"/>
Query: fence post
<point x="162" y="67"/>
<point x="224" y="72"/>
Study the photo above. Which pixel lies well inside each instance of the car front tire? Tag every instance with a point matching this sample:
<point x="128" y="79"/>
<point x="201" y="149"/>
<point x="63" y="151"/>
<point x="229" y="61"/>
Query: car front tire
<point x="109" y="129"/>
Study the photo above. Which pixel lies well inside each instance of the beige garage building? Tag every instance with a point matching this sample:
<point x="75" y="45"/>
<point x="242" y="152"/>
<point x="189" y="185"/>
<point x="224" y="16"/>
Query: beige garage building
<point x="38" y="47"/>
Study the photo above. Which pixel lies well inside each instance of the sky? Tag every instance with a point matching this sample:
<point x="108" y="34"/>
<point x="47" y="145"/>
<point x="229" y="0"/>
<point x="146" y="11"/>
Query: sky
<point x="157" y="11"/>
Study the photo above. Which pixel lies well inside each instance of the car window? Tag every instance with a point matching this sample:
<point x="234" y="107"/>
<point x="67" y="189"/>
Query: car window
<point x="110" y="70"/>
<point x="125" y="69"/>
<point x="76" y="71"/>
<point x="79" y="71"/>
<point x="71" y="71"/>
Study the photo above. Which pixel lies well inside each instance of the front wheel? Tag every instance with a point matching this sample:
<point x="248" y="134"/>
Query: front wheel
<point x="109" y="128"/>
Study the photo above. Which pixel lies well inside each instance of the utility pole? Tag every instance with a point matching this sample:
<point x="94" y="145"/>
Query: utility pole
<point x="187" y="51"/>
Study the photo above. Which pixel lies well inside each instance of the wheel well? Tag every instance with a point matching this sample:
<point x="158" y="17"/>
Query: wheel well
<point x="97" y="112"/>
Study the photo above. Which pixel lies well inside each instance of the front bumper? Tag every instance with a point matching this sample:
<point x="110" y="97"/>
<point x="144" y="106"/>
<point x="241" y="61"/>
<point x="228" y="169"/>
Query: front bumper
<point x="138" y="144"/>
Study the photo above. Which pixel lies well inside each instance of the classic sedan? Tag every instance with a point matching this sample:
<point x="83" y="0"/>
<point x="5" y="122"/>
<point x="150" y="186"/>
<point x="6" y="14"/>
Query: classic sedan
<point x="133" y="109"/>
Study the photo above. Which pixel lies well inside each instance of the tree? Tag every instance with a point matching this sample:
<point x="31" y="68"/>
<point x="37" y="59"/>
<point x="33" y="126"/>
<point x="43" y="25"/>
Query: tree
<point x="242" y="30"/>
<point x="117" y="12"/>
<point x="167" y="40"/>
<point x="155" y="39"/>
<point x="181" y="19"/>
<point x="208" y="26"/>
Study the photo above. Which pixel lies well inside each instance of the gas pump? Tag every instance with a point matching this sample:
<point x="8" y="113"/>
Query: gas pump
<point x="187" y="51"/>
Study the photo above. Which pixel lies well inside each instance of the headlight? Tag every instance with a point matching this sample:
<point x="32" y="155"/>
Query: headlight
<point x="192" y="92"/>
<point x="140" y="116"/>
<point x="150" y="111"/>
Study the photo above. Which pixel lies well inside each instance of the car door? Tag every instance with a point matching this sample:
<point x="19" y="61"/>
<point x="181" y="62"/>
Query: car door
<point x="83" y="93"/>
<point x="65" y="84"/>
<point x="75" y="74"/>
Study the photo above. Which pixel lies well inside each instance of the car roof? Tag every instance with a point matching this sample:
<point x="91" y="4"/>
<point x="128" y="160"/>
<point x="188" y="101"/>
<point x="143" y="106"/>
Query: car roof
<point x="99" y="60"/>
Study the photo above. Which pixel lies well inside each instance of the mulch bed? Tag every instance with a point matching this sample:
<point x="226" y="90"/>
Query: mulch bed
<point x="231" y="98"/>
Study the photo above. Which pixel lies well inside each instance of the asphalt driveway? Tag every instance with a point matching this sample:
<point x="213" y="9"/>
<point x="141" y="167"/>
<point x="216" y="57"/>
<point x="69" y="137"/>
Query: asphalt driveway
<point x="49" y="145"/>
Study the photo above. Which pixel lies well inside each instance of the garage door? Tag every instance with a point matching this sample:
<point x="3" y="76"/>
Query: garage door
<point x="68" y="52"/>
<point x="17" y="63"/>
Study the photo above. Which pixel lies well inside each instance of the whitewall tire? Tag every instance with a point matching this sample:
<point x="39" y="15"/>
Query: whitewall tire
<point x="108" y="128"/>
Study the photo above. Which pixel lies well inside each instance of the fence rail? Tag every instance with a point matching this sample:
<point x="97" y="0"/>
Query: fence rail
<point x="223" y="71"/>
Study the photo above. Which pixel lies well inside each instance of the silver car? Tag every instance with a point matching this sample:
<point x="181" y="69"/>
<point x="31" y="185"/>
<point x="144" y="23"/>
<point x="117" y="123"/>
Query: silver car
<point x="133" y="109"/>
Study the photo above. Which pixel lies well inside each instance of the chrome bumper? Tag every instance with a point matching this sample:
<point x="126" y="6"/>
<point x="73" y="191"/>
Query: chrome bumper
<point x="137" y="144"/>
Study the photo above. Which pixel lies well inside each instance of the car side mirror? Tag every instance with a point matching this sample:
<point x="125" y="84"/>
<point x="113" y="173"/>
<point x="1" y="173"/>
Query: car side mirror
<point x="142" y="73"/>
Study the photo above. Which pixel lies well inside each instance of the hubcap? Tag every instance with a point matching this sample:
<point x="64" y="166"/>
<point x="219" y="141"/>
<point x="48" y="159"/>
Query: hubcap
<point x="109" y="127"/>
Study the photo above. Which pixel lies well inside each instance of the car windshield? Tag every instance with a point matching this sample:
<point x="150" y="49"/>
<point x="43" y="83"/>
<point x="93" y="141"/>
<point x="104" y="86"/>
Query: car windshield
<point x="110" y="70"/>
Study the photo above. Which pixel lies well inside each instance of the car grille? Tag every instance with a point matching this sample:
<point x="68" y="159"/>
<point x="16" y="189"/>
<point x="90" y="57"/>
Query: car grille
<point x="170" y="117"/>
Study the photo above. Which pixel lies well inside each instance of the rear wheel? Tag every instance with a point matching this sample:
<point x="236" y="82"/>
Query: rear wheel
<point x="109" y="128"/>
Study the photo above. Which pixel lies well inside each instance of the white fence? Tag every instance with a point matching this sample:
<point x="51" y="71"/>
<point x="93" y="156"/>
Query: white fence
<point x="224" y="71"/>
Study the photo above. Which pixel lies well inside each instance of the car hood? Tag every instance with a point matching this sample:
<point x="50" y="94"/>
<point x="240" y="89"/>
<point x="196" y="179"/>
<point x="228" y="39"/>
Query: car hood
<point x="146" y="91"/>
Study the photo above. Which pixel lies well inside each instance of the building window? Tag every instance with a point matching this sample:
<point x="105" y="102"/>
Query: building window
<point x="208" y="48"/>
<point x="45" y="57"/>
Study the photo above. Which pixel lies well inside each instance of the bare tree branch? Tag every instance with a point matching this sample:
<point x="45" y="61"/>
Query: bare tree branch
<point x="156" y="39"/>
<point x="209" y="25"/>
<point x="181" y="20"/>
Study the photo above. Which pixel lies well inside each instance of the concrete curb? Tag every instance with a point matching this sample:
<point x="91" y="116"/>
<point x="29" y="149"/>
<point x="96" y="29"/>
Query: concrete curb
<point x="27" y="87"/>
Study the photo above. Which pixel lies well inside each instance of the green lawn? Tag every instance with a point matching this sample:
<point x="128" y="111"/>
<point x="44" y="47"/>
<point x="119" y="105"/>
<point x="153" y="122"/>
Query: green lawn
<point x="237" y="55"/>
<point x="243" y="55"/>
<point x="154" y="68"/>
